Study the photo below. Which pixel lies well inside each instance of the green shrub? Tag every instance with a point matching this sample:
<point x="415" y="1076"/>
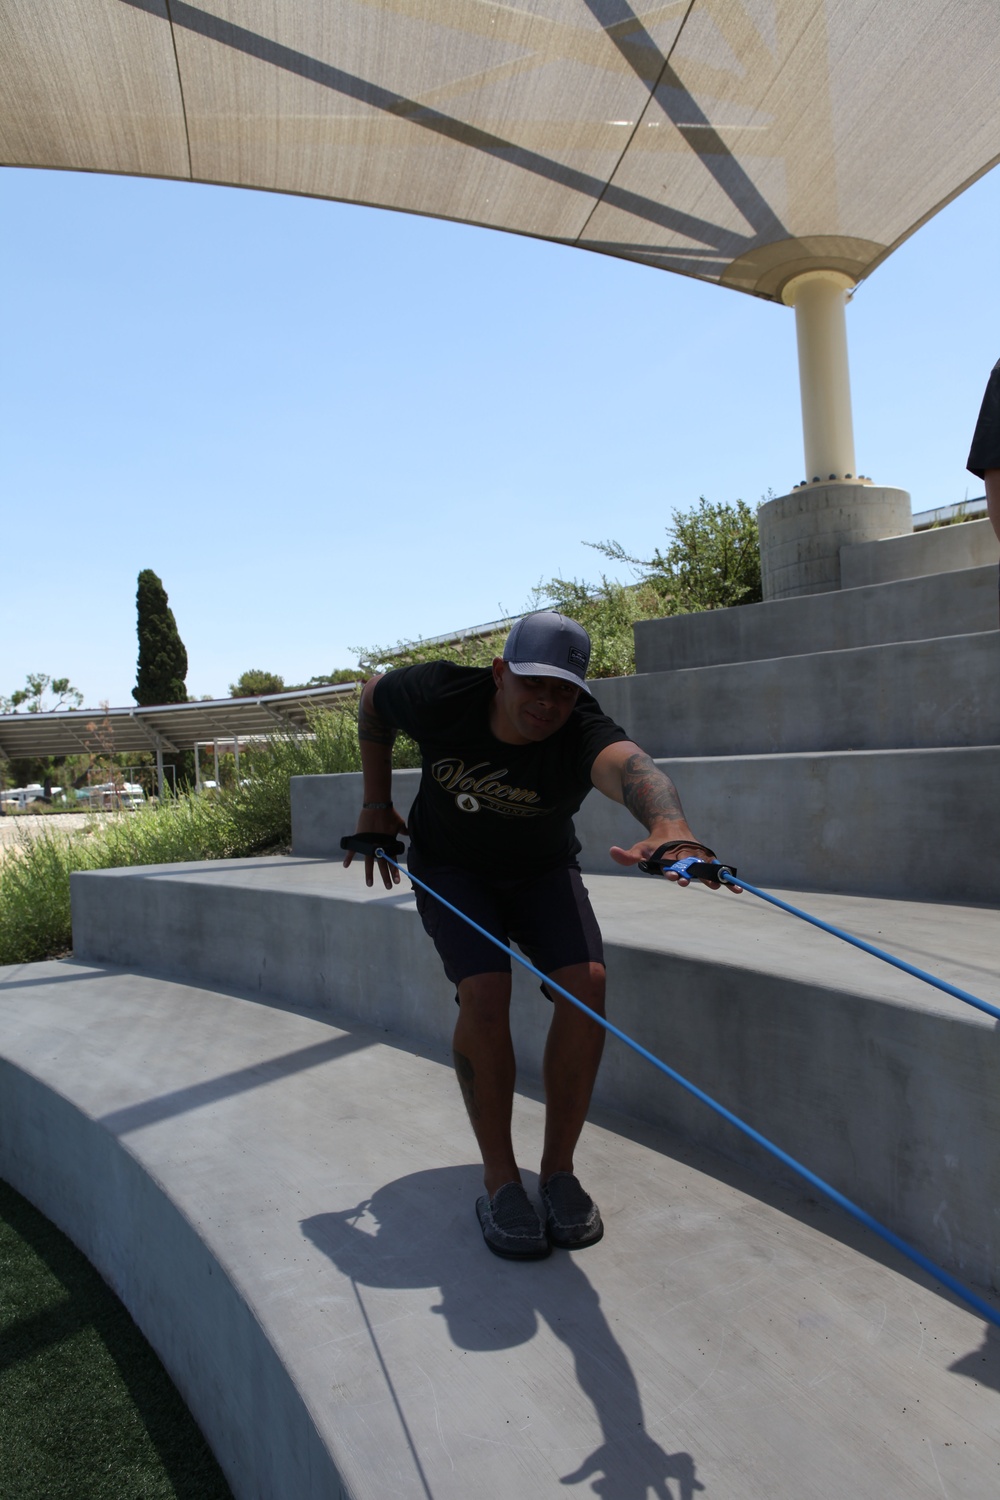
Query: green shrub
<point x="607" y="611"/>
<point x="712" y="561"/>
<point x="471" y="651"/>
<point x="247" y="819"/>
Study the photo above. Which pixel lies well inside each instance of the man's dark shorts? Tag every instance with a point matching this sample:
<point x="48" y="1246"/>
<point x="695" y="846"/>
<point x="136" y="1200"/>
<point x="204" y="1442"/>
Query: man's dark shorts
<point x="548" y="916"/>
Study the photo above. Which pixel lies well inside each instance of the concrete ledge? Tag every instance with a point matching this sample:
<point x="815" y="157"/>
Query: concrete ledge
<point x="916" y="824"/>
<point x="942" y="549"/>
<point x="958" y="603"/>
<point x="286" y="1206"/>
<point x="878" y="1082"/>
<point x="107" y="1194"/>
<point x="908" y="695"/>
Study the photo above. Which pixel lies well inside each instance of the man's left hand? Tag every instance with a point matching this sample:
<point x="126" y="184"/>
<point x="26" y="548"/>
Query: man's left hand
<point x="647" y="847"/>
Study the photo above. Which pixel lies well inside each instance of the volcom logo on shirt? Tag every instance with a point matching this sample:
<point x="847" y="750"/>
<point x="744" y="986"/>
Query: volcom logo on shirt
<point x="477" y="787"/>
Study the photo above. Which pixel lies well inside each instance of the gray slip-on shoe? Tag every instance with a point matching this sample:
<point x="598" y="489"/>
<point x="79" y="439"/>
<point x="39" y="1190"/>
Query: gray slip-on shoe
<point x="572" y="1218"/>
<point x="510" y="1225"/>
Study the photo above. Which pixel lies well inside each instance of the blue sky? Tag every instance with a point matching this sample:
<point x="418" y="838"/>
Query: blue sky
<point x="328" y="427"/>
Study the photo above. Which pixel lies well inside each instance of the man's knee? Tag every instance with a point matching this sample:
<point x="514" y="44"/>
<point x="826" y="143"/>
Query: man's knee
<point x="587" y="982"/>
<point x="484" y="999"/>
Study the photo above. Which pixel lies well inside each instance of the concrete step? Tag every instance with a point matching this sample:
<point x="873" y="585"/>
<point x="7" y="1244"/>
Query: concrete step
<point x="284" y="1203"/>
<point x="912" y="824"/>
<point x="941" y="549"/>
<point x="962" y="602"/>
<point x="906" y="695"/>
<point x="881" y="1084"/>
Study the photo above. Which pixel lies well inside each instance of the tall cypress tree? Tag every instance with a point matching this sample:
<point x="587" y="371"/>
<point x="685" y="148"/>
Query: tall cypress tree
<point x="163" y="661"/>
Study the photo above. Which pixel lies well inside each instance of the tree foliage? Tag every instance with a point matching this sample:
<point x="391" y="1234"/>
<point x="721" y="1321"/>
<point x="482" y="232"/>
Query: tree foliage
<point x="254" y="683"/>
<point x="31" y="698"/>
<point x="712" y="560"/>
<point x="607" y="611"/>
<point x="163" y="663"/>
<point x="330" y="679"/>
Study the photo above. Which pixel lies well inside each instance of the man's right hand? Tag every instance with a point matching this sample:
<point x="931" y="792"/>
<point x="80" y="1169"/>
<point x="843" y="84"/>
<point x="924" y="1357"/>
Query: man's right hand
<point x="388" y="822"/>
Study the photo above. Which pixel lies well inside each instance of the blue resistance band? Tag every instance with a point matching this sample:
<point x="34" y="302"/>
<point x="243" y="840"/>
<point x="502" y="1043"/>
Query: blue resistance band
<point x="919" y="1259"/>
<point x="888" y="958"/>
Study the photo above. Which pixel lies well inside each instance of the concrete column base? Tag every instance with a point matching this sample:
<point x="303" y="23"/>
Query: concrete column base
<point x="801" y="534"/>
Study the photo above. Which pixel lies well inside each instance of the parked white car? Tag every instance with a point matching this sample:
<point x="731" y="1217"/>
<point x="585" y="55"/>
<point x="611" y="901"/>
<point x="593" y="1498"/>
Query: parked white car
<point x="108" y="797"/>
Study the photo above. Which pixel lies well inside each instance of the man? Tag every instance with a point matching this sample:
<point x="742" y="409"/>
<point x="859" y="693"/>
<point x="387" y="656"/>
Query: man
<point x="984" y="456"/>
<point x="508" y="754"/>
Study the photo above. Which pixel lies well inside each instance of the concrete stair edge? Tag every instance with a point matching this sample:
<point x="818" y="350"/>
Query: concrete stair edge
<point x="915" y="554"/>
<point x="938" y="693"/>
<point x="959" y="602"/>
<point x="897" y="823"/>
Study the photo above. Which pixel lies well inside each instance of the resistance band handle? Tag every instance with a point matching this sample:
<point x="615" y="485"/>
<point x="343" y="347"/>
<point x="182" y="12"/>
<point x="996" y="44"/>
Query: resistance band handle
<point x="368" y="843"/>
<point x="688" y="869"/>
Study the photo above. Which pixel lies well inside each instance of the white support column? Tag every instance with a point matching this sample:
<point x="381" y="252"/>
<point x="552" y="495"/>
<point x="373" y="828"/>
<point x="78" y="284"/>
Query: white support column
<point x="159" y="772"/>
<point x="801" y="533"/>
<point x="820" y="299"/>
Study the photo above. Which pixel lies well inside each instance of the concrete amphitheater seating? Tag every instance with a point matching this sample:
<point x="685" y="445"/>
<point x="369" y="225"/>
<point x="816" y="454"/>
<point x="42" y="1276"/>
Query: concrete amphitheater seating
<point x="236" y="1097"/>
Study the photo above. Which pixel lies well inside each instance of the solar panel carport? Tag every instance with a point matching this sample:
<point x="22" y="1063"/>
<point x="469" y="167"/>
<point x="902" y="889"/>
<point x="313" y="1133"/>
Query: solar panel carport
<point x="780" y="148"/>
<point x="169" y="727"/>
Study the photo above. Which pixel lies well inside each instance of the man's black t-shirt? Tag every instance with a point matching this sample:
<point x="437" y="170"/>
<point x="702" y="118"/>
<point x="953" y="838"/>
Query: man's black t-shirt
<point x="483" y="803"/>
<point x="985" y="451"/>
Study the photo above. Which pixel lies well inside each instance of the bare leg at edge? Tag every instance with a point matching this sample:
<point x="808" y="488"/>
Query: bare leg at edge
<point x="483" y="1055"/>
<point x="572" y="1057"/>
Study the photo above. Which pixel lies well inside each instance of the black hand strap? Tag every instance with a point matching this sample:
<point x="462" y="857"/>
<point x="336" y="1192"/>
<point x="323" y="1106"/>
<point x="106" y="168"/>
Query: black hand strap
<point x="654" y="864"/>
<point x="702" y="869"/>
<point x="367" y="843"/>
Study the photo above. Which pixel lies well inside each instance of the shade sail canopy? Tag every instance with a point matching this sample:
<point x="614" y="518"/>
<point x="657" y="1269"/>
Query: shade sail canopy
<point x="170" y="727"/>
<point x="739" y="141"/>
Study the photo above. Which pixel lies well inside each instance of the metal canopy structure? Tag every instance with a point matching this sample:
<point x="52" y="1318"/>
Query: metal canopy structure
<point x="171" y="727"/>
<point x="743" y="142"/>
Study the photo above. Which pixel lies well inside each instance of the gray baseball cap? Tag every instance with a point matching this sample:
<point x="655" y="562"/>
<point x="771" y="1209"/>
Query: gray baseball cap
<point x="547" y="644"/>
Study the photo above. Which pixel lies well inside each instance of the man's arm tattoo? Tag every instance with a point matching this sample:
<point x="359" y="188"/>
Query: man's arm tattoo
<point x="647" y="793"/>
<point x="467" y="1083"/>
<point x="373" y="729"/>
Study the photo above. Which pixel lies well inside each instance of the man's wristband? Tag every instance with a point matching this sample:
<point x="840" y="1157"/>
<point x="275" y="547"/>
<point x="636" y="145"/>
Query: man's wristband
<point x="376" y="807"/>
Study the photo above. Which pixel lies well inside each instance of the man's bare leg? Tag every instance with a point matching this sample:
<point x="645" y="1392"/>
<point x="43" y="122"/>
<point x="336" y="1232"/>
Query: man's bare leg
<point x="572" y="1057"/>
<point x="484" y="1061"/>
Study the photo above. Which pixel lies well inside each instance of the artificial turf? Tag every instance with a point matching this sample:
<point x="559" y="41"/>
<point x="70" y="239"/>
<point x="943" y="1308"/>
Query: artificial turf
<point x="87" y="1412"/>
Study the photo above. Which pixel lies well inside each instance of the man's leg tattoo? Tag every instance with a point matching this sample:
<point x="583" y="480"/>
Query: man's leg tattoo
<point x="467" y="1083"/>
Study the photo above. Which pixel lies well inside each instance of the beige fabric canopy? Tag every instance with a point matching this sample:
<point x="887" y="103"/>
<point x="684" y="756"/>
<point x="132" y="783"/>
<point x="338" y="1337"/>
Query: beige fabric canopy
<point x="739" y="141"/>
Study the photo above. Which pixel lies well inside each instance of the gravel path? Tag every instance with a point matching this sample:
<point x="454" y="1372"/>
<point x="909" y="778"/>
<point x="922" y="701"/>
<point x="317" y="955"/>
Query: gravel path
<point x="14" y="825"/>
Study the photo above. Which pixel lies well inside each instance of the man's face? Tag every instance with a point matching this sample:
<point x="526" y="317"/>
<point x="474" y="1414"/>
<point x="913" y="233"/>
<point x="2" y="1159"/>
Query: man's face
<point x="529" y="709"/>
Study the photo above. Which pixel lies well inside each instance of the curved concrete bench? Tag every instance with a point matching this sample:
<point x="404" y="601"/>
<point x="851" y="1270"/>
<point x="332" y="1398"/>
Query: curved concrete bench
<point x="881" y="1084"/>
<point x="285" y="1205"/>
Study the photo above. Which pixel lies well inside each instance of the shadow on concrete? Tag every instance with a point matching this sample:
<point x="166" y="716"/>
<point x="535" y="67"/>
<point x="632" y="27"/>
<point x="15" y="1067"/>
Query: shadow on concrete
<point x="226" y="1085"/>
<point x="764" y="1180"/>
<point x="982" y="1365"/>
<point x="74" y="971"/>
<point x="491" y="1304"/>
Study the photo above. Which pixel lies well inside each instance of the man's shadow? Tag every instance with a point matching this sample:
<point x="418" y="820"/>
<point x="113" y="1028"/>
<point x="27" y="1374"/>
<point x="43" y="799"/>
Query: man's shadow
<point x="426" y="1237"/>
